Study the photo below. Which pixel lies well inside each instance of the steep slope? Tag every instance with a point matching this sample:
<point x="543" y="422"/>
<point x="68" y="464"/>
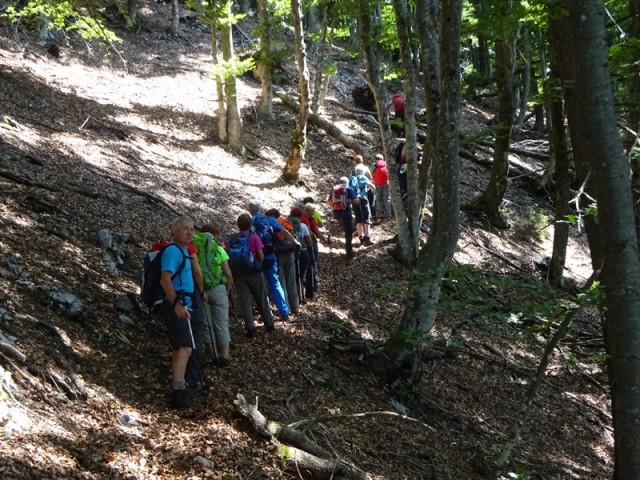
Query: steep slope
<point x="98" y="156"/>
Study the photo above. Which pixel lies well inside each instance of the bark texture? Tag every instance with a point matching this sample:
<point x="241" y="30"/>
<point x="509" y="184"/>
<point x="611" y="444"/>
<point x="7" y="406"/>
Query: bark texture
<point x="299" y="137"/>
<point x="621" y="267"/>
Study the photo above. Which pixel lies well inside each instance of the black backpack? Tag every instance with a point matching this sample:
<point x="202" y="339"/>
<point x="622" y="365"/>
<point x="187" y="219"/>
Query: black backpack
<point x="151" y="291"/>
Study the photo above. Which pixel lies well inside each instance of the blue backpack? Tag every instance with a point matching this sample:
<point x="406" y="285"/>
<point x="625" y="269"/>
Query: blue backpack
<point x="359" y="185"/>
<point x="241" y="260"/>
<point x="262" y="228"/>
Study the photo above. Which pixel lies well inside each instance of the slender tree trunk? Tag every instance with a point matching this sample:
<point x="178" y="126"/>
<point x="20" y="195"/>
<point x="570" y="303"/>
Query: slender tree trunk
<point x="234" y="120"/>
<point x="369" y="27"/>
<point x="221" y="112"/>
<point x="621" y="266"/>
<point x="265" y="108"/>
<point x="489" y="202"/>
<point x="299" y="137"/>
<point x="558" y="143"/>
<point x="407" y="342"/>
<point x="175" y="18"/>
<point x="526" y="79"/>
<point x="427" y="26"/>
<point x="323" y="50"/>
<point x="413" y="203"/>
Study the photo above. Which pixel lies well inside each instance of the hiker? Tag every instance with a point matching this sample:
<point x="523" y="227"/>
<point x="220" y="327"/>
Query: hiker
<point x="305" y="252"/>
<point x="360" y="168"/>
<point x="401" y="161"/>
<point x="340" y="199"/>
<point x="264" y="227"/>
<point x="246" y="258"/>
<point x="381" y="182"/>
<point x="311" y="213"/>
<point x="177" y="306"/>
<point x="217" y="280"/>
<point x="397" y="102"/>
<point x="286" y="253"/>
<point x="360" y="182"/>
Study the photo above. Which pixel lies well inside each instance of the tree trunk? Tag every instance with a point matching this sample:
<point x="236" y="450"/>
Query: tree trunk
<point x="558" y="145"/>
<point x="491" y="199"/>
<point x="405" y="345"/>
<point x="263" y="67"/>
<point x="234" y="120"/>
<point x="175" y="18"/>
<point x="221" y="112"/>
<point x="427" y="26"/>
<point x="299" y="137"/>
<point x="413" y="203"/>
<point x="322" y="60"/>
<point x="561" y="45"/>
<point x="132" y="12"/>
<point x="369" y="43"/>
<point x="526" y="79"/>
<point x="621" y="266"/>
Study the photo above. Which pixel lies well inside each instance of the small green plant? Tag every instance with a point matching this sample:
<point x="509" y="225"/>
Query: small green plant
<point x="285" y="454"/>
<point x="389" y="289"/>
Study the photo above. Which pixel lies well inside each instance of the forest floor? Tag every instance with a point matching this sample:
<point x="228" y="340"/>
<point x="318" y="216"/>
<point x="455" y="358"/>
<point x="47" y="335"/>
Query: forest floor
<point x="90" y="142"/>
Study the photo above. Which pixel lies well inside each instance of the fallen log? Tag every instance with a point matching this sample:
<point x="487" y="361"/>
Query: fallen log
<point x="326" y="125"/>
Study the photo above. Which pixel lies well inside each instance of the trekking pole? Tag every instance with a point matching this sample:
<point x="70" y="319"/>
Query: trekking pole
<point x="212" y="335"/>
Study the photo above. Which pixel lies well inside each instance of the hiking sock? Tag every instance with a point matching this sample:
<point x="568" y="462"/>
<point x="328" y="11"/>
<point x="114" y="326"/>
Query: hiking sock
<point x="178" y="385"/>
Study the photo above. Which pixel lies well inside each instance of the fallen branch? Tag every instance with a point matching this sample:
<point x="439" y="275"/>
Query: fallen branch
<point x="12" y="351"/>
<point x="533" y="389"/>
<point x="304" y="454"/>
<point x="310" y="422"/>
<point x="326" y="125"/>
<point x="9" y="175"/>
<point x="352" y="110"/>
<point x="472" y="236"/>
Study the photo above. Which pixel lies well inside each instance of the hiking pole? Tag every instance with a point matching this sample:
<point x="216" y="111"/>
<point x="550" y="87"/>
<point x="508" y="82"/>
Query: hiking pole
<point x="212" y="335"/>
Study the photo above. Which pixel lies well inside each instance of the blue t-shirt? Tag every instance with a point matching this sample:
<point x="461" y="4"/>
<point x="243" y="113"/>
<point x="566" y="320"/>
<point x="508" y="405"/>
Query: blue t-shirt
<point x="171" y="260"/>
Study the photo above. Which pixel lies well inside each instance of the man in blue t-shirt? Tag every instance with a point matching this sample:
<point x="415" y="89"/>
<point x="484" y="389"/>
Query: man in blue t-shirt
<point x="265" y="227"/>
<point x="177" y="308"/>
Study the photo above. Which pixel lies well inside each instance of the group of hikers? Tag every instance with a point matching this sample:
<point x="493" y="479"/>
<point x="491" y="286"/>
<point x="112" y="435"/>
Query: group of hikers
<point x="271" y="258"/>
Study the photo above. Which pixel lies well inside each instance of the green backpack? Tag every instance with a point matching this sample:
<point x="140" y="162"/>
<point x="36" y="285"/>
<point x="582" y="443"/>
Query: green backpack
<point x="209" y="258"/>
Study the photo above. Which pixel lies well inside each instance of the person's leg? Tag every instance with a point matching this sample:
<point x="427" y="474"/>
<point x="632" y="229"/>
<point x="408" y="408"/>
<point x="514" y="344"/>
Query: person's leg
<point x="366" y="220"/>
<point x="308" y="277"/>
<point x="357" y="209"/>
<point x="303" y="267"/>
<point x="380" y="202"/>
<point x="386" y="196"/>
<point x="348" y="235"/>
<point x="181" y="339"/>
<point x="219" y="304"/>
<point x="371" y="197"/>
<point x="275" y="289"/>
<point x="259" y="292"/>
<point x="283" y="279"/>
<point x="194" y="373"/>
<point x="288" y="270"/>
<point x="244" y="301"/>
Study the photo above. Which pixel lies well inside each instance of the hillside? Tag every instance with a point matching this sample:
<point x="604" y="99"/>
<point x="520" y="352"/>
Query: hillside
<point x="98" y="153"/>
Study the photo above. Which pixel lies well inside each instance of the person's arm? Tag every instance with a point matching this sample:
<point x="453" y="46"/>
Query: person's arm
<point x="260" y="255"/>
<point x="180" y="310"/>
<point x="316" y="231"/>
<point x="227" y="272"/>
<point x="198" y="277"/>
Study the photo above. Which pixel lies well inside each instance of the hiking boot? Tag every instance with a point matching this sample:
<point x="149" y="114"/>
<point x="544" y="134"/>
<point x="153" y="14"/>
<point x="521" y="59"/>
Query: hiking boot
<point x="225" y="361"/>
<point x="271" y="328"/>
<point x="362" y="239"/>
<point x="251" y="332"/>
<point x="181" y="399"/>
<point x="367" y="241"/>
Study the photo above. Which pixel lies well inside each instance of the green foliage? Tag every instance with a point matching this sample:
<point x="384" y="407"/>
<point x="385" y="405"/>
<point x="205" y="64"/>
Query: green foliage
<point x="526" y="302"/>
<point x="390" y="289"/>
<point x="67" y="16"/>
<point x="285" y="453"/>
<point x="577" y="219"/>
<point x="234" y="67"/>
<point x="534" y="225"/>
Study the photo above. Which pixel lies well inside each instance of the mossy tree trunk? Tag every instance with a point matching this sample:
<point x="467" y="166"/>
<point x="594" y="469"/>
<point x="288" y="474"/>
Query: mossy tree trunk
<point x="505" y="46"/>
<point x="369" y="34"/>
<point x="621" y="266"/>
<point x="299" y="137"/>
<point x="263" y="64"/>
<point x="234" y="120"/>
<point x="132" y="12"/>
<point x="221" y="112"/>
<point x="406" y="344"/>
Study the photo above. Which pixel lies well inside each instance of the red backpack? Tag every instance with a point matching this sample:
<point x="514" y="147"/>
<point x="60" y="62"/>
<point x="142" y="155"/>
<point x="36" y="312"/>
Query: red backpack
<point x="340" y="198"/>
<point x="381" y="174"/>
